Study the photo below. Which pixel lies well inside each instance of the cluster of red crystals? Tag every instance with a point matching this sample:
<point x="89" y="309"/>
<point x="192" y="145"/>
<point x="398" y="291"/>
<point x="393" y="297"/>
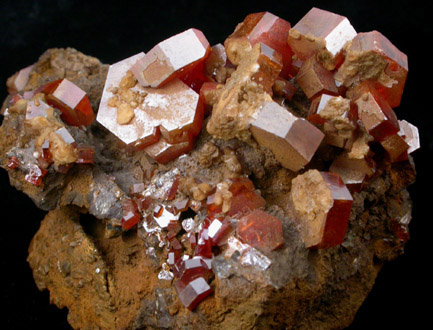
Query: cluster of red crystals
<point x="175" y="57"/>
<point x="263" y="28"/>
<point x="392" y="63"/>
<point x="131" y="216"/>
<point x="261" y="230"/>
<point x="35" y="175"/>
<point x="71" y="100"/>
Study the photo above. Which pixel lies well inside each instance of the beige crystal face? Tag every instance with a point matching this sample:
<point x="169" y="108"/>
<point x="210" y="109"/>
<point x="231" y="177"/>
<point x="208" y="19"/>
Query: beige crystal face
<point x="171" y="108"/>
<point x="293" y="140"/>
<point x="411" y="135"/>
<point x="139" y="127"/>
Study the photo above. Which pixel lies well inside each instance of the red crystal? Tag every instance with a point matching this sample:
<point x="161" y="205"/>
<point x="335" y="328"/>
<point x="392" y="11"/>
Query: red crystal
<point x="320" y="30"/>
<point x="374" y="112"/>
<point x="171" y="193"/>
<point x="130" y="214"/>
<point x="164" y="152"/>
<point x="172" y="58"/>
<point x="191" y="293"/>
<point x="244" y="199"/>
<point x="180" y="206"/>
<point x="219" y="230"/>
<point x="381" y="53"/>
<point x="204" y="244"/>
<point x="323" y="204"/>
<point x="13" y="163"/>
<point x="85" y="154"/>
<point x="35" y="175"/>
<point x="192" y="268"/>
<point x="268" y="29"/>
<point x="261" y="230"/>
<point x="314" y="79"/>
<point x="71" y="100"/>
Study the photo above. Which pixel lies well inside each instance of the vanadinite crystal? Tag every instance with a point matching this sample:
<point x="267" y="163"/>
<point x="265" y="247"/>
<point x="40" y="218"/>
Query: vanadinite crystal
<point x="71" y="100"/>
<point x="323" y="32"/>
<point x="261" y="27"/>
<point x="322" y="205"/>
<point x="293" y="140"/>
<point x="172" y="58"/>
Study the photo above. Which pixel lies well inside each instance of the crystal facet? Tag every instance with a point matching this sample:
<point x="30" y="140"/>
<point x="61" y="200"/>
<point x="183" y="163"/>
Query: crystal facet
<point x="323" y="32"/>
<point x="190" y="294"/>
<point x="293" y="140"/>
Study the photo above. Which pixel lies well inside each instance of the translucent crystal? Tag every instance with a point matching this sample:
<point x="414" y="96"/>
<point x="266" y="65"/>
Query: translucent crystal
<point x="19" y="80"/>
<point x="410" y="134"/>
<point x="261" y="230"/>
<point x="219" y="230"/>
<point x="163" y="217"/>
<point x="36" y="108"/>
<point x="293" y="140"/>
<point x="71" y="100"/>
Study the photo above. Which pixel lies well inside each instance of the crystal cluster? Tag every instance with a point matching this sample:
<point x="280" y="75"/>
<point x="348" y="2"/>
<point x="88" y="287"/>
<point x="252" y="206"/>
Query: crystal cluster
<point x="155" y="104"/>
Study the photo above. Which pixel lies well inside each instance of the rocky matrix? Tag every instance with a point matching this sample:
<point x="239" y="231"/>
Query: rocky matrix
<point x="198" y="186"/>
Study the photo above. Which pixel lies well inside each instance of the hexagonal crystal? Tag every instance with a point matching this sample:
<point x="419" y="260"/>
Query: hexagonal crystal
<point x="171" y="58"/>
<point x="293" y="140"/>
<point x="318" y="31"/>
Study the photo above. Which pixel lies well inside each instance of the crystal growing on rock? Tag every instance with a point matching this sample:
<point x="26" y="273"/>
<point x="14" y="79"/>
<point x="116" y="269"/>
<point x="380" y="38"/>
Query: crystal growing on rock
<point x="19" y="80"/>
<point x="293" y="140"/>
<point x="191" y="293"/>
<point x="171" y="58"/>
<point x="322" y="204"/>
<point x="71" y="100"/>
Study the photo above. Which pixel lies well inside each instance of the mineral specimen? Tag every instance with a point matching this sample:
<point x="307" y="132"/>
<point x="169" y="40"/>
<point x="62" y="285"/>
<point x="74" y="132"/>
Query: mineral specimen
<point x="299" y="153"/>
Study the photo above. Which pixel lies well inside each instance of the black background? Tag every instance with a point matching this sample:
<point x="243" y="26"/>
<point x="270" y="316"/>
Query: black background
<point x="113" y="32"/>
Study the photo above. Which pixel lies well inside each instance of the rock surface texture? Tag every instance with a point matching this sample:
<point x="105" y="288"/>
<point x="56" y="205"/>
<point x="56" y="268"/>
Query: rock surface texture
<point x="282" y="184"/>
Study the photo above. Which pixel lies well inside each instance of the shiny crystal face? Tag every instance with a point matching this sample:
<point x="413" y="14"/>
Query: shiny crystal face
<point x="72" y="102"/>
<point x="293" y="140"/>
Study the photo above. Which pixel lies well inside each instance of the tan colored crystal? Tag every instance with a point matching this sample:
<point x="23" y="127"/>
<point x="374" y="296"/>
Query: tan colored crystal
<point x="242" y="96"/>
